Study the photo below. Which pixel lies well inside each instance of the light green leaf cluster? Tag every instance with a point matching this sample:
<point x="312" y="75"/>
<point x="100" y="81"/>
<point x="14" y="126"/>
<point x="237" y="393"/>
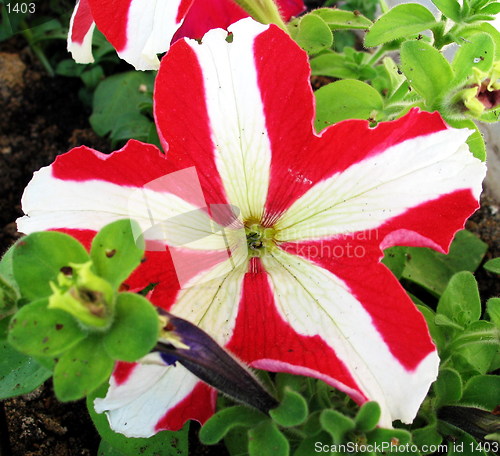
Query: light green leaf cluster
<point x="72" y="317"/>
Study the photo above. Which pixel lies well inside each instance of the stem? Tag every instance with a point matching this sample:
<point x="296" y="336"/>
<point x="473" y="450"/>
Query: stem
<point x="440" y="38"/>
<point x="383" y="6"/>
<point x="377" y="55"/>
<point x="264" y="11"/>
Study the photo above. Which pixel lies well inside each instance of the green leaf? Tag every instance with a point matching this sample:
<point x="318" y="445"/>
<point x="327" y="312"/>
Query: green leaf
<point x="82" y="369"/>
<point x="135" y="328"/>
<point x="475" y="141"/>
<point x="427" y="437"/>
<point x="448" y="387"/>
<point x="8" y="298"/>
<point x="493" y="309"/>
<point x="478" y="344"/>
<point x="482" y="392"/>
<point x="400" y="22"/>
<point x="19" y="374"/>
<point x="164" y="443"/>
<point x="368" y="416"/>
<point x="288" y="381"/>
<point x="493" y="265"/>
<point x="426" y="69"/>
<point x="338" y="19"/>
<point x="7" y="269"/>
<point x="320" y="443"/>
<point x="114" y="251"/>
<point x="472" y="29"/>
<point x="460" y="301"/>
<point x="333" y="65"/>
<point x="39" y="331"/>
<point x="450" y="8"/>
<point x="292" y="410"/>
<point x="336" y="424"/>
<point x="92" y="76"/>
<point x="266" y="440"/>
<point x="346" y="99"/>
<point x="229" y="418"/>
<point x="69" y="68"/>
<point x="395" y="75"/>
<point x="117" y="100"/>
<point x="433" y="270"/>
<point x="236" y="441"/>
<point x="477" y="51"/>
<point x="105" y="449"/>
<point x="313" y="34"/>
<point x="395" y="260"/>
<point x="38" y="259"/>
<point x="380" y="436"/>
<point x="436" y="333"/>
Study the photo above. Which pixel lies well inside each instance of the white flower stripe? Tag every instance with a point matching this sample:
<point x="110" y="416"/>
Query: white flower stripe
<point x="237" y="121"/>
<point x="371" y="192"/>
<point x="316" y="302"/>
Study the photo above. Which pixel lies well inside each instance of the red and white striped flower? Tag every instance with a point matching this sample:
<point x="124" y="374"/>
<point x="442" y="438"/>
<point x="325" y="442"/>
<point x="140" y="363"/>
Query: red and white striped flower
<point x="139" y="30"/>
<point x="307" y="294"/>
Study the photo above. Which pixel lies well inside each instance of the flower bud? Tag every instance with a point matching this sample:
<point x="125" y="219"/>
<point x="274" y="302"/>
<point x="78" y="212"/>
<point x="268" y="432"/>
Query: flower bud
<point x="83" y="294"/>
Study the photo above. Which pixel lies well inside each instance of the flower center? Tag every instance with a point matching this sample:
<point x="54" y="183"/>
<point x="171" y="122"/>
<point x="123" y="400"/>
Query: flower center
<point x="260" y="240"/>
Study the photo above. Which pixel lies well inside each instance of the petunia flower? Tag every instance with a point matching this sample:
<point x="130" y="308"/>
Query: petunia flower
<point x="140" y="30"/>
<point x="298" y="285"/>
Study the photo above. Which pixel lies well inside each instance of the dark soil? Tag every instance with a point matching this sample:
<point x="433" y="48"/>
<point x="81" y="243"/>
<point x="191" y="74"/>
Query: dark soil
<point x="40" y="118"/>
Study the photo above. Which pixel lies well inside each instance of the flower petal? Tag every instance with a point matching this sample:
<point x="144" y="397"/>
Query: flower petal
<point x="210" y="300"/>
<point x="144" y="399"/>
<point x="81" y="29"/>
<point x="204" y="16"/>
<point x="139" y="30"/>
<point x="378" y="345"/>
<point x="219" y="116"/>
<point x="384" y="185"/>
<point x="168" y="205"/>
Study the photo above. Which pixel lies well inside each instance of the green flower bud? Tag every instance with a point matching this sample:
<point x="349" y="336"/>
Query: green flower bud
<point x="484" y="92"/>
<point x="83" y="294"/>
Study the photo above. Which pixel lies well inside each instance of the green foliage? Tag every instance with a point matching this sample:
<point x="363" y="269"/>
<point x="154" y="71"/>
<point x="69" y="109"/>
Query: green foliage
<point x="292" y="411"/>
<point x="460" y="302"/>
<point x="477" y="51"/>
<point x="426" y="69"/>
<point x="400" y="22"/>
<point x="115" y="252"/>
<point x="70" y="307"/>
<point x="39" y="258"/>
<point x="493" y="265"/>
<point x="39" y="331"/>
<point x="432" y="270"/>
<point x="133" y="315"/>
<point x="312" y="34"/>
<point x="346" y="99"/>
<point x="450" y="8"/>
<point x="340" y="20"/>
<point x="481" y="391"/>
<point x="19" y="374"/>
<point x="82" y="369"/>
<point x="118" y="107"/>
<point x="266" y="439"/>
<point x="227" y="419"/>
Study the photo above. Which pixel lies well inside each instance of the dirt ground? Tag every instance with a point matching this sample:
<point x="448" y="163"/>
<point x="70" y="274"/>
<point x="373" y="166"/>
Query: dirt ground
<point x="41" y="117"/>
